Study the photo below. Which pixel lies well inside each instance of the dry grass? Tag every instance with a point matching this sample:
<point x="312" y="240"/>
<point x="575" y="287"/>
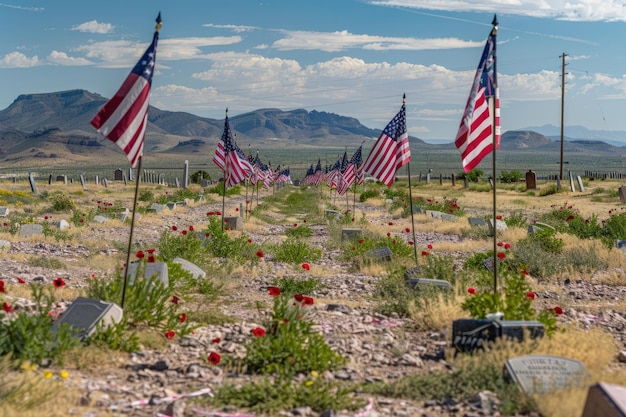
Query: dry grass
<point x="437" y="313"/>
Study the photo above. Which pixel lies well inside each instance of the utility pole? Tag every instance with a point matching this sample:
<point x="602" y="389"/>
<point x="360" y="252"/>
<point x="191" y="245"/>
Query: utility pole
<point x="563" y="64"/>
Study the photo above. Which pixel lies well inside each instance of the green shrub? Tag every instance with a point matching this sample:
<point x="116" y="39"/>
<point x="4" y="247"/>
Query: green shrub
<point x="439" y="267"/>
<point x="291" y="286"/>
<point x="472" y="176"/>
<point x="367" y="194"/>
<point x="62" y="202"/>
<point x="290" y="345"/>
<point x="198" y="176"/>
<point x="146" y="196"/>
<point x="299" y="231"/>
<point x="295" y="252"/>
<point x="508" y="177"/>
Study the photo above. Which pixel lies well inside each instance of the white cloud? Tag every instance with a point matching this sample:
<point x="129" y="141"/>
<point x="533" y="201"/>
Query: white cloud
<point x="341" y="41"/>
<point x="28" y="9"/>
<point x="581" y="10"/>
<point x="61" y="58"/>
<point x="94" y="27"/>
<point x="19" y="60"/>
<point x="234" y="28"/>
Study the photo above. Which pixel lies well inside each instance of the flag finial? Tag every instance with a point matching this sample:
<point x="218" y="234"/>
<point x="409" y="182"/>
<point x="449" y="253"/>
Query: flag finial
<point x="404" y="98"/>
<point x="495" y="24"/>
<point x="226" y="111"/>
<point x="158" y="23"/>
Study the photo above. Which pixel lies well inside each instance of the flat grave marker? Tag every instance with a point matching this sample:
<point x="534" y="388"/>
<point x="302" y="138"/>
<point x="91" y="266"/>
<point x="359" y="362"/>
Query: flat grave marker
<point x="4" y="211"/>
<point x="152" y="270"/>
<point x="476" y="221"/>
<point x="84" y="314"/>
<point x="380" y="254"/>
<point x="190" y="267"/>
<point x="233" y="223"/>
<point x="544" y="373"/>
<point x="351" y="234"/>
<point x="31" y="229"/>
<point x="605" y="400"/>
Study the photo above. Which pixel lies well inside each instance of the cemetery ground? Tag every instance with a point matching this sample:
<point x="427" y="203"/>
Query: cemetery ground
<point x="297" y="316"/>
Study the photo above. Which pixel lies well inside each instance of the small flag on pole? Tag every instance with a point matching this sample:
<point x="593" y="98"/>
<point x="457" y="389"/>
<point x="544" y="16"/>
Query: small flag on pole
<point x="391" y="151"/>
<point x="474" y="138"/>
<point x="123" y="119"/>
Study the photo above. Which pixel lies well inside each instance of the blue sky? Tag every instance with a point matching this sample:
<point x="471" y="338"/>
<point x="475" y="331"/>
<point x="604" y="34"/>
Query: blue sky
<point x="351" y="57"/>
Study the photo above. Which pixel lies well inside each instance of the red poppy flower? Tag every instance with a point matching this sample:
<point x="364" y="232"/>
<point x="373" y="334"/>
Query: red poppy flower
<point x="45" y="217"/>
<point x="183" y="318"/>
<point x="531" y="295"/>
<point x="170" y="334"/>
<point x="298" y="297"/>
<point x="429" y="246"/>
<point x="285" y="321"/>
<point x="7" y="307"/>
<point x="184" y="232"/>
<point x="361" y="240"/>
<point x="140" y="254"/>
<point x="237" y="209"/>
<point x="216" y="340"/>
<point x="151" y="259"/>
<point x="304" y="221"/>
<point x="151" y="251"/>
<point x="214" y="358"/>
<point x="260" y="253"/>
<point x="307" y="301"/>
<point x="411" y="243"/>
<point x="500" y="244"/>
<point x="274" y="291"/>
<point x="191" y="228"/>
<point x="174" y="228"/>
<point x="558" y="310"/>
<point x="507" y="246"/>
<point x="424" y="253"/>
<point x="390" y="223"/>
<point x="471" y="290"/>
<point x="175" y="299"/>
<point x="219" y="213"/>
<point x="306" y="266"/>
<point x="92" y="276"/>
<point x="258" y="332"/>
<point x="21" y="281"/>
<point x="58" y="283"/>
<point x="388" y="234"/>
<point x="353" y="248"/>
<point x="524" y="272"/>
<point x="498" y="217"/>
<point x="210" y="213"/>
<point x="81" y="220"/>
<point x="249" y="240"/>
<point x="295" y="225"/>
<point x="407" y="230"/>
<point x="501" y="255"/>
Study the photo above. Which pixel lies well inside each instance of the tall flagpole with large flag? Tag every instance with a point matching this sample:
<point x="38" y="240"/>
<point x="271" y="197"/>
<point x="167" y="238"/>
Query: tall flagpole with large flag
<point x="479" y="131"/>
<point x="124" y="118"/>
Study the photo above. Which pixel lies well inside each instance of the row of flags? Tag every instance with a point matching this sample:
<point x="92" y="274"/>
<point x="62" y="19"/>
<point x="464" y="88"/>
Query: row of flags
<point x="123" y="120"/>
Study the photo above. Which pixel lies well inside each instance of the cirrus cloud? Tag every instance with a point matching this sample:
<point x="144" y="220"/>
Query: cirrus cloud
<point x="94" y="27"/>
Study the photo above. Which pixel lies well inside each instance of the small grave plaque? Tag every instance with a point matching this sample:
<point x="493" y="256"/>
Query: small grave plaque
<point x="417" y="209"/>
<point x="351" y="234"/>
<point x="157" y="208"/>
<point x="544" y="373"/>
<point x="4" y="211"/>
<point x="190" y="267"/>
<point x="434" y="214"/>
<point x="476" y="221"/>
<point x="605" y="400"/>
<point x="62" y="224"/>
<point x="233" y="223"/>
<point x="332" y="214"/>
<point x="418" y="283"/>
<point x="500" y="225"/>
<point x="5" y="244"/>
<point x="532" y="229"/>
<point x="100" y="219"/>
<point x="448" y="217"/>
<point x="488" y="263"/>
<point x="412" y="273"/>
<point x="380" y="254"/>
<point x="30" y="229"/>
<point x="171" y="205"/>
<point x="84" y="314"/>
<point x="152" y="270"/>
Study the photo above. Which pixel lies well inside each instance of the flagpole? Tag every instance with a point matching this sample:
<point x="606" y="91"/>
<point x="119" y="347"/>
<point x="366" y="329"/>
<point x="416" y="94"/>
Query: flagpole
<point x="408" y="170"/>
<point x="494" y="144"/>
<point x="132" y="228"/>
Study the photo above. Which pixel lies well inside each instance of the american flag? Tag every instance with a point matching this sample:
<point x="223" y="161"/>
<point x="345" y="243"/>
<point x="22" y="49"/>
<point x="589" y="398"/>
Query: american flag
<point x="123" y="119"/>
<point x="350" y="172"/>
<point x="231" y="159"/>
<point x="475" y="136"/>
<point x="391" y="151"/>
<point x="317" y="176"/>
<point x="329" y="177"/>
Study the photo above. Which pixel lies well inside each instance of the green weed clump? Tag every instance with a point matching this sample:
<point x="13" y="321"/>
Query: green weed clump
<point x="62" y="202"/>
<point x="291" y="286"/>
<point x="299" y="231"/>
<point x="296" y="251"/>
<point x="288" y="345"/>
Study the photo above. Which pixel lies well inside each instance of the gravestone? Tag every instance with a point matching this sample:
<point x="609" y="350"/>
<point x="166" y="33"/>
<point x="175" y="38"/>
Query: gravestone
<point x="4" y="211"/>
<point x="532" y="229"/>
<point x="157" y="208"/>
<point x="82" y="181"/>
<point x="428" y="178"/>
<point x="531" y="180"/>
<point x="31" y="180"/>
<point x="465" y="183"/>
<point x="417" y="283"/>
<point x="118" y="174"/>
<point x="61" y="178"/>
<point x="152" y="270"/>
<point x="97" y="180"/>
<point x="171" y="205"/>
<point x="500" y="225"/>
<point x="84" y="315"/>
<point x="332" y="214"/>
<point x="472" y="334"/>
<point x="412" y="273"/>
<point x="131" y="174"/>
<point x="488" y="263"/>
<point x="124" y="179"/>
<point x="233" y="223"/>
<point x="204" y="182"/>
<point x="622" y="194"/>
<point x="434" y="214"/>
<point x="30" y="229"/>
<point x="186" y="175"/>
<point x="558" y="183"/>
<point x="448" y="217"/>
<point x="417" y="209"/>
<point x="351" y="234"/>
<point x="581" y="187"/>
<point x="380" y="254"/>
<point x="491" y="183"/>
<point x="571" y="182"/>
<point x="190" y="267"/>
<point x="50" y="179"/>
<point x="453" y="180"/>
<point x="177" y="182"/>
<point x="544" y="373"/>
<point x="105" y="182"/>
<point x="440" y="179"/>
<point x="100" y="219"/>
<point x="605" y="400"/>
<point x="62" y="224"/>
<point x="476" y="221"/>
<point x="5" y="244"/>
